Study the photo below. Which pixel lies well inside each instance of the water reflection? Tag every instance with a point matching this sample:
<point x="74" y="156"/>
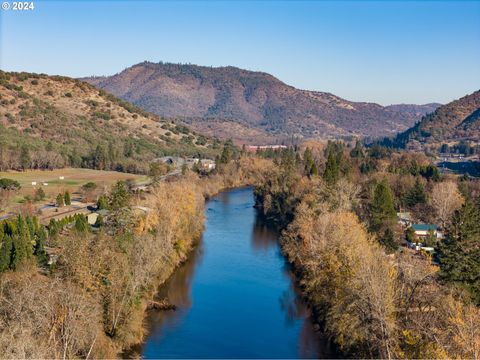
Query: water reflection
<point x="263" y="236"/>
<point x="235" y="296"/>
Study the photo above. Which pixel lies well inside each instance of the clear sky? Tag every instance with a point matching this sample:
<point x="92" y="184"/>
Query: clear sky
<point x="378" y="51"/>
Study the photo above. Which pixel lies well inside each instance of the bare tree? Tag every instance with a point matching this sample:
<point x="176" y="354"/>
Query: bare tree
<point x="445" y="199"/>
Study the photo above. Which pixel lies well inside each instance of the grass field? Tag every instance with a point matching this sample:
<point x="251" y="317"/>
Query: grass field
<point x="72" y="180"/>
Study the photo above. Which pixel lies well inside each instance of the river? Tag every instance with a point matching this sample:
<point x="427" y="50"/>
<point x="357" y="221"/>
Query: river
<point x="235" y="296"/>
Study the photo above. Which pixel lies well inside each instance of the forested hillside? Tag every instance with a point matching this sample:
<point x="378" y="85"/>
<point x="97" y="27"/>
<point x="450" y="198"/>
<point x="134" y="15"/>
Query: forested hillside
<point x="456" y="121"/>
<point x="51" y="121"/>
<point x="261" y="107"/>
<point x="375" y="296"/>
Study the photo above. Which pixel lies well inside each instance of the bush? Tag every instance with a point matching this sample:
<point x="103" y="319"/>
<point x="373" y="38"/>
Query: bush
<point x="9" y="184"/>
<point x="39" y="194"/>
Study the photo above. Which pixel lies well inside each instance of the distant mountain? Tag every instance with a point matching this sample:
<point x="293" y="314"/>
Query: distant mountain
<point x="450" y="123"/>
<point x="261" y="106"/>
<point x="69" y="120"/>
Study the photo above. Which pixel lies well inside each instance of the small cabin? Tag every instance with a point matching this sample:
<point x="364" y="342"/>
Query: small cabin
<point x="423" y="230"/>
<point x="207" y="164"/>
<point x="92" y="218"/>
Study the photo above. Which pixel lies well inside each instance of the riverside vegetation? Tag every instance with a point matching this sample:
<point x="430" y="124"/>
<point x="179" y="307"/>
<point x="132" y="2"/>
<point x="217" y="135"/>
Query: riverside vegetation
<point x="337" y="208"/>
<point x="91" y="301"/>
<point x="67" y="291"/>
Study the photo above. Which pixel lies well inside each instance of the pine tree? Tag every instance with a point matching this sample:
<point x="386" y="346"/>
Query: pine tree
<point x="67" y="199"/>
<point x="21" y="244"/>
<point x="357" y="151"/>
<point x="102" y="203"/>
<point x="112" y="155"/>
<point x="5" y="252"/>
<point x="41" y="239"/>
<point x="119" y="196"/>
<point x="81" y="224"/>
<point x="99" y="158"/>
<point x="60" y="200"/>
<point x="332" y="169"/>
<point x="388" y="241"/>
<point x="416" y="195"/>
<point x="459" y="253"/>
<point x="226" y="155"/>
<point x="24" y="157"/>
<point x="383" y="209"/>
<point x="39" y="194"/>
<point x="310" y="168"/>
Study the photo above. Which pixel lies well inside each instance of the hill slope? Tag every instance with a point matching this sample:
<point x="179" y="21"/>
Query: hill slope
<point x="258" y="102"/>
<point x="450" y="123"/>
<point x="64" y="121"/>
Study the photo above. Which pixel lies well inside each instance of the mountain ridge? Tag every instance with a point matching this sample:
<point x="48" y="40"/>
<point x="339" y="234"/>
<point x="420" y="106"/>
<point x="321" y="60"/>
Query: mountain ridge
<point x="255" y="100"/>
<point x="450" y="123"/>
<point x="52" y="115"/>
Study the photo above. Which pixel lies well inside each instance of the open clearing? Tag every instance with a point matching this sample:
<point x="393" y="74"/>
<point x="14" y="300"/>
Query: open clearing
<point x="73" y="179"/>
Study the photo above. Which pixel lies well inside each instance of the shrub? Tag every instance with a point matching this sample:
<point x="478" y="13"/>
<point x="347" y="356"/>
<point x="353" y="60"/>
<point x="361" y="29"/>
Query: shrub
<point x="9" y="184"/>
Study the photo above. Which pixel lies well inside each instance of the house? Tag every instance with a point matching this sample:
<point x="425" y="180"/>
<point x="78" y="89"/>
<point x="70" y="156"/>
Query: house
<point x="255" y="148"/>
<point x="92" y="218"/>
<point x="207" y="164"/>
<point x="423" y="230"/>
<point x="404" y="218"/>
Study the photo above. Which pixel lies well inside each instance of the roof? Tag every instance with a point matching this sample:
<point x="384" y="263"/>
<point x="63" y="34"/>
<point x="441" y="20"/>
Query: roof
<point x="405" y="215"/>
<point x="424" y="227"/>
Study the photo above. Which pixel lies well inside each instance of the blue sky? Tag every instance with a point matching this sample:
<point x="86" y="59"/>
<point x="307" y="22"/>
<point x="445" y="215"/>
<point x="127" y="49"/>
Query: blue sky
<point x="377" y="51"/>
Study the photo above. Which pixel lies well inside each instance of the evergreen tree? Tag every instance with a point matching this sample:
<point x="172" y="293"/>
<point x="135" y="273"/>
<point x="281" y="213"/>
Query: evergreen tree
<point x="5" y="252"/>
<point x="81" y="224"/>
<point x="102" y="203"/>
<point x="119" y="196"/>
<point x="21" y="244"/>
<point x="459" y="253"/>
<point x="410" y="235"/>
<point x="67" y="199"/>
<point x="39" y="194"/>
<point x="416" y="195"/>
<point x="310" y="168"/>
<point x="128" y="149"/>
<point x="99" y="158"/>
<point x="60" y="201"/>
<point x="74" y="158"/>
<point x="332" y="169"/>
<point x="383" y="209"/>
<point x="388" y="241"/>
<point x="112" y="155"/>
<point x="357" y="151"/>
<point x="41" y="239"/>
<point x="53" y="228"/>
<point x="226" y="155"/>
<point x="25" y="157"/>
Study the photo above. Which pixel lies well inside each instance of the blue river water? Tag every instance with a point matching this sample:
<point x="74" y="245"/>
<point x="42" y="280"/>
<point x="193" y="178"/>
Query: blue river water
<point x="235" y="296"/>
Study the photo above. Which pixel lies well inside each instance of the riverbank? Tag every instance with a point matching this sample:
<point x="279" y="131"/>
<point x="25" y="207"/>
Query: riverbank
<point x="228" y="294"/>
<point x="371" y="304"/>
<point x="244" y="172"/>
